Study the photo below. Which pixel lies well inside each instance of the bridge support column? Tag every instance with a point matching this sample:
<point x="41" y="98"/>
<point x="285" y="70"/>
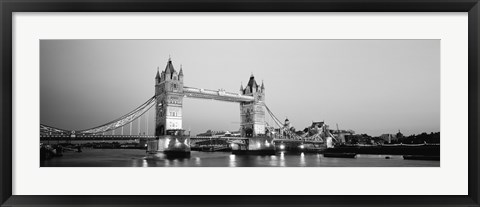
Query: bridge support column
<point x="170" y="145"/>
<point x="255" y="146"/>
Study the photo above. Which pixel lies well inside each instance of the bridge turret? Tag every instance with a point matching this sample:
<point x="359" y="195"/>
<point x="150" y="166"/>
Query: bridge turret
<point x="252" y="86"/>
<point x="180" y="74"/>
<point x="170" y="72"/>
<point x="287" y="123"/>
<point x="157" y="77"/>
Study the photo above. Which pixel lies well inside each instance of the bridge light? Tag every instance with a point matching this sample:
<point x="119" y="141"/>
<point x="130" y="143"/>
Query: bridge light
<point x="282" y="147"/>
<point x="301" y="146"/>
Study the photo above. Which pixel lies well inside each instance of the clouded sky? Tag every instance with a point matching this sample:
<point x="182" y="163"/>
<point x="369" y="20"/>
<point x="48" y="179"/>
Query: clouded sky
<point x="369" y="86"/>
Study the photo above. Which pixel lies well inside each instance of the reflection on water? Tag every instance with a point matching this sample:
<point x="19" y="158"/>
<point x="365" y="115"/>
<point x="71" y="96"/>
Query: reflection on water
<point x="232" y="161"/>
<point x="282" y="159"/>
<point x="138" y="158"/>
<point x="175" y="163"/>
<point x="198" y="161"/>
<point x="302" y="160"/>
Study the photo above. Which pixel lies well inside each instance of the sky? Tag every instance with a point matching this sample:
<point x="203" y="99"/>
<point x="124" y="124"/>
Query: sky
<point x="369" y="86"/>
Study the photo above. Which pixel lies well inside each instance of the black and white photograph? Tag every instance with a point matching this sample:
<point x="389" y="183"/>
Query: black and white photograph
<point x="239" y="103"/>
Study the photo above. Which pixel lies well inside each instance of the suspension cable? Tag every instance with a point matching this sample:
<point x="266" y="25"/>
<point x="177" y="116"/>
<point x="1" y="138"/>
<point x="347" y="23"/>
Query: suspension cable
<point x="123" y="120"/>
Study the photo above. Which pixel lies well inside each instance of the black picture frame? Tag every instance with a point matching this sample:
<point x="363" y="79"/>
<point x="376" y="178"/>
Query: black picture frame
<point x="7" y="8"/>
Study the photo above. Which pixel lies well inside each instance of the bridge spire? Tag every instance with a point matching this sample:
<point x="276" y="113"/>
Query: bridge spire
<point x="252" y="85"/>
<point x="181" y="71"/>
<point x="169" y="68"/>
<point x="158" y="73"/>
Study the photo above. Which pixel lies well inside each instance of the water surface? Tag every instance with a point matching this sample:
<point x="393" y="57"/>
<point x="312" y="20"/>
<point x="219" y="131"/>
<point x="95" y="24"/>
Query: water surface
<point x="139" y="158"/>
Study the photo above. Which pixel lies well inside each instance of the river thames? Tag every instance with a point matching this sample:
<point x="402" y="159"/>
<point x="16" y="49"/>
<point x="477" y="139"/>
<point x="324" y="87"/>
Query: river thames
<point x="139" y="158"/>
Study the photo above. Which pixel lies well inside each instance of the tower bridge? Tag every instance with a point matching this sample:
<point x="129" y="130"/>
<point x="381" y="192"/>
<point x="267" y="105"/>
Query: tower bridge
<point x="170" y="91"/>
<point x="168" y="104"/>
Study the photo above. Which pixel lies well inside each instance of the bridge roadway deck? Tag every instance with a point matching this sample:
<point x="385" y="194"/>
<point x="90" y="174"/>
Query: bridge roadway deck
<point x="132" y="137"/>
<point x="97" y="137"/>
<point x="275" y="139"/>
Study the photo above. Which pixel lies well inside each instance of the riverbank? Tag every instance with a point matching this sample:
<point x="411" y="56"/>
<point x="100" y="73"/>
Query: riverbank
<point x="425" y="150"/>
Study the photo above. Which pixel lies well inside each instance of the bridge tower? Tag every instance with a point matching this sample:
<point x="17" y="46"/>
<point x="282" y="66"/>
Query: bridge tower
<point x="252" y="113"/>
<point x="169" y="92"/>
<point x="169" y="137"/>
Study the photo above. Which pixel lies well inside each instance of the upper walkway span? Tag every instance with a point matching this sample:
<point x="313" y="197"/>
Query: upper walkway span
<point x="220" y="95"/>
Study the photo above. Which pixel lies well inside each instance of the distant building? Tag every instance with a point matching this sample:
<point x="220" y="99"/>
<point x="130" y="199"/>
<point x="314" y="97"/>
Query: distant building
<point x="388" y="138"/>
<point x="286" y="127"/>
<point x="399" y="135"/>
<point x="356" y="139"/>
<point x="236" y="134"/>
<point x="340" y="135"/>
<point x="287" y="123"/>
<point x="232" y="134"/>
<point x="317" y="124"/>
